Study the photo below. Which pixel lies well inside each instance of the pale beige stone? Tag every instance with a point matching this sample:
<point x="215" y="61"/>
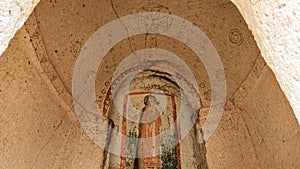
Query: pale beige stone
<point x="13" y="14"/>
<point x="276" y="28"/>
<point x="275" y="25"/>
<point x="39" y="127"/>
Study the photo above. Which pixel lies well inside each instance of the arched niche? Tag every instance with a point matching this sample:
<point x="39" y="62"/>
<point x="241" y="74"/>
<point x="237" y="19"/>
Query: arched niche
<point x="258" y="128"/>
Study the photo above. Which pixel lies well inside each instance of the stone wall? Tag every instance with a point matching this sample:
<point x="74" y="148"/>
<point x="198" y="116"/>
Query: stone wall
<point x="276" y="28"/>
<point x="274" y="24"/>
<point x="13" y="14"/>
<point x="38" y="124"/>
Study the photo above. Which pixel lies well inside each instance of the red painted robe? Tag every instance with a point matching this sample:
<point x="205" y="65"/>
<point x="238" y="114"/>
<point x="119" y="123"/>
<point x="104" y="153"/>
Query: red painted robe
<point x="150" y="149"/>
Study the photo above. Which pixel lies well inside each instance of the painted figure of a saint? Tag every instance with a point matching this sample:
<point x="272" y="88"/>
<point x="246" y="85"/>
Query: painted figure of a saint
<point x="149" y="142"/>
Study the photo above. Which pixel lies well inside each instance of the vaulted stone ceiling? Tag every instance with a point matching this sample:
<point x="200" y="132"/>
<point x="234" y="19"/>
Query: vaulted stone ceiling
<point x="39" y="127"/>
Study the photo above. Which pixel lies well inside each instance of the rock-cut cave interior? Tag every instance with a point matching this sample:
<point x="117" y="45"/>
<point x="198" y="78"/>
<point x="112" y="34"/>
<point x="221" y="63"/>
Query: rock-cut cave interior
<point x="154" y="84"/>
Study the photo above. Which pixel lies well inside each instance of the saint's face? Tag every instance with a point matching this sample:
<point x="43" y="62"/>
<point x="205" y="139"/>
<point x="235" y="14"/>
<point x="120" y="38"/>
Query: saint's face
<point x="150" y="101"/>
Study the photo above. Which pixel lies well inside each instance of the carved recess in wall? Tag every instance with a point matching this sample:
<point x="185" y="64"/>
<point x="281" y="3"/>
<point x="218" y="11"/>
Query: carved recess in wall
<point x="61" y="49"/>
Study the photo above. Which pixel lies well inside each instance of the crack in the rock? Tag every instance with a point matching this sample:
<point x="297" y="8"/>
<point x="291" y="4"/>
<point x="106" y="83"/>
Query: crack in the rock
<point x="127" y="31"/>
<point x="48" y="141"/>
<point x="247" y="77"/>
<point x="42" y="68"/>
<point x="248" y="133"/>
<point x="47" y="55"/>
<point x="54" y="87"/>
